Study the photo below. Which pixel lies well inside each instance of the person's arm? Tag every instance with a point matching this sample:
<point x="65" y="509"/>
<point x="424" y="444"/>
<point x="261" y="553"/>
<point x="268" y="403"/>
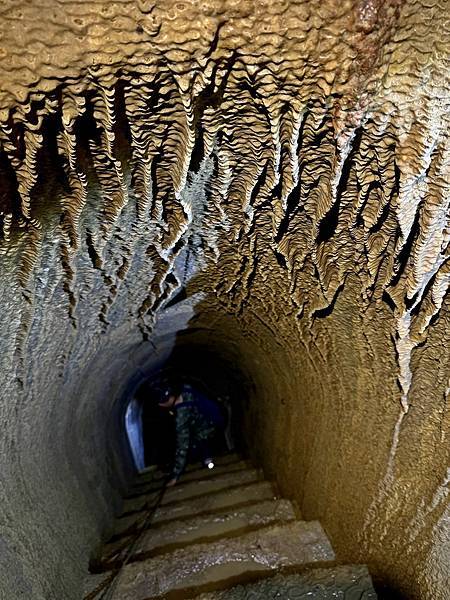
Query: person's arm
<point x="182" y="432"/>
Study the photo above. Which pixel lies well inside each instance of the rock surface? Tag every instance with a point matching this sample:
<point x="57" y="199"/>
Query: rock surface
<point x="195" y="556"/>
<point x="263" y="182"/>
<point x="200" y="527"/>
<point x="345" y="583"/>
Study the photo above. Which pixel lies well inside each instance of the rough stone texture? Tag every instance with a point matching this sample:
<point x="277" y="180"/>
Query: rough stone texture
<point x="184" y="531"/>
<point x="243" y="494"/>
<point x="215" y="551"/>
<point x="284" y="161"/>
<point x="292" y="545"/>
<point x="345" y="583"/>
<point x="153" y="481"/>
<point x="193" y="489"/>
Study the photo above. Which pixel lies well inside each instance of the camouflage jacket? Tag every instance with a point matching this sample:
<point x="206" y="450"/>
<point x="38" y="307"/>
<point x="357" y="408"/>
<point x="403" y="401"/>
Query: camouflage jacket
<point x="191" y="429"/>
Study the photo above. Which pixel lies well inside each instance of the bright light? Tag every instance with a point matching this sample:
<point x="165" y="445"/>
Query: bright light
<point x="210" y="465"/>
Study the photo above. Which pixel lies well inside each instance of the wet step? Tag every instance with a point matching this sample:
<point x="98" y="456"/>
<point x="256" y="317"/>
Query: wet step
<point x="190" y="489"/>
<point x="225" y="461"/>
<point x="200" y="529"/>
<point x="199" y="505"/>
<point x="149" y="485"/>
<point x="205" y="567"/>
<point x="349" y="582"/>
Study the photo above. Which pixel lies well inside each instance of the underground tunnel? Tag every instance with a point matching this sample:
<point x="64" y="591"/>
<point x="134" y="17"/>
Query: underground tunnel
<point x="150" y="430"/>
<point x="255" y="192"/>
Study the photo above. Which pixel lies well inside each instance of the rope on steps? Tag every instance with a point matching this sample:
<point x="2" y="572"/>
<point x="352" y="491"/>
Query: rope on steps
<point x="106" y="588"/>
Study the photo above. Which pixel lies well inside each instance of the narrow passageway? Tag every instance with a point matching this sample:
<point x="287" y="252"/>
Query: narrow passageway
<point x="254" y="194"/>
<point x="224" y="534"/>
<point x="210" y="376"/>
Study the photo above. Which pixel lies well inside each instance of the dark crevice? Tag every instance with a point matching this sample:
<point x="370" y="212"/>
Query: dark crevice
<point x="320" y="136"/>
<point x="209" y="96"/>
<point x="179" y="297"/>
<point x="198" y="153"/>
<point x="180" y="244"/>
<point x="406" y="251"/>
<point x="92" y="252"/>
<point x="325" y="312"/>
<point x="280" y="259"/>
<point x="121" y="127"/>
<point x="329" y="223"/>
<point x="292" y="206"/>
<point x="238" y="277"/>
<point x="171" y="279"/>
<point x="215" y="41"/>
<point x="16" y="137"/>
<point x="301" y="132"/>
<point x="388" y="300"/>
<point x="410" y="302"/>
<point x="252" y="275"/>
<point x="435" y="318"/>
<point x="260" y="181"/>
<point x="251" y="88"/>
<point x="144" y="332"/>
<point x="85" y="129"/>
<point x="170" y="283"/>
<point x="382" y="219"/>
<point x="277" y="190"/>
<point x="394" y="192"/>
<point x="9" y="197"/>
<point x="51" y="180"/>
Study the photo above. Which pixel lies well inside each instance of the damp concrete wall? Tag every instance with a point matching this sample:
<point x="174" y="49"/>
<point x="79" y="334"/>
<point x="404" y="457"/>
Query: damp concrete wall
<point x="265" y="179"/>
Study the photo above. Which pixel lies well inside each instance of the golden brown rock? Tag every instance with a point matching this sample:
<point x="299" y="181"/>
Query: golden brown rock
<point x="289" y="161"/>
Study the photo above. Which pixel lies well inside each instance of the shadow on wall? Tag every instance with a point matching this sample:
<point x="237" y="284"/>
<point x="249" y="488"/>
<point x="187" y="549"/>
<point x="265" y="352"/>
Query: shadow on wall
<point x="384" y="592"/>
<point x="157" y="429"/>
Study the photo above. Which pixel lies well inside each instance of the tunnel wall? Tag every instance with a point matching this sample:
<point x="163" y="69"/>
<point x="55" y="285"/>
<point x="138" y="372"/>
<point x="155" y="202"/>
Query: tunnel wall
<point x="328" y="426"/>
<point x="64" y="461"/>
<point x="286" y="163"/>
<point x="325" y="420"/>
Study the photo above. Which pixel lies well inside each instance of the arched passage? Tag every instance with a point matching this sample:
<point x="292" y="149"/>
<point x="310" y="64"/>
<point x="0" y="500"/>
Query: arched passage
<point x="265" y="183"/>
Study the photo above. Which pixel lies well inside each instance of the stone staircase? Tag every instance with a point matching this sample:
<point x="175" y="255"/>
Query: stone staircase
<point x="220" y="534"/>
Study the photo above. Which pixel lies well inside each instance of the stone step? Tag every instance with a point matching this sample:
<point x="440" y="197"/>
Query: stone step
<point x="150" y="485"/>
<point x="200" y="505"/>
<point x="226" y="460"/>
<point x="348" y="582"/>
<point x="200" y="529"/>
<point x="190" y="489"/>
<point x="205" y="567"/>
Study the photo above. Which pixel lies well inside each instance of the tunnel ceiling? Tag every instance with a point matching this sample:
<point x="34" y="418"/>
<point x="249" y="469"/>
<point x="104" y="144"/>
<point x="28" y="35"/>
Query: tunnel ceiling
<point x="272" y="175"/>
<point x="311" y="131"/>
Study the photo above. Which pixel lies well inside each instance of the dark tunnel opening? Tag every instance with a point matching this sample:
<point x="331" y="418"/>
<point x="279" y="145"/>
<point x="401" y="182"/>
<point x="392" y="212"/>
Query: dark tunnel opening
<point x="212" y="374"/>
<point x="150" y="429"/>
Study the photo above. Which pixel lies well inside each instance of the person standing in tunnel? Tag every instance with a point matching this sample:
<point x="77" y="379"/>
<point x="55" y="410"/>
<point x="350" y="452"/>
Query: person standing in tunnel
<point x="197" y="420"/>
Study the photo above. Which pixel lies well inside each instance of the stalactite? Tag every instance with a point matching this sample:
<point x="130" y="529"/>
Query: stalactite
<point x="287" y="161"/>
